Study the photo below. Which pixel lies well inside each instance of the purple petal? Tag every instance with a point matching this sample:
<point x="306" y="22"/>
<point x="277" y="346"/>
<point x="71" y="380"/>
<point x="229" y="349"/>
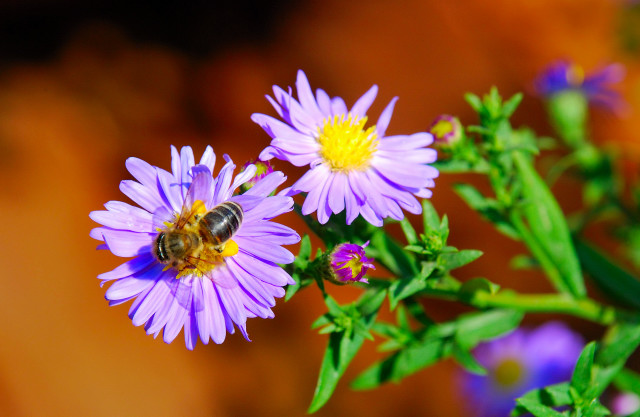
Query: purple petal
<point x="218" y="327"/>
<point x="142" y="171"/>
<point x="385" y="118"/>
<point x="128" y="268"/>
<point x="305" y="95"/>
<point x="147" y="198"/>
<point x="324" y="102"/>
<point x="337" y="192"/>
<point x="406" y="142"/>
<point x="264" y="250"/>
<point x="359" y="110"/>
<point x="127" y="244"/>
<point x="208" y="158"/>
<point x="223" y="181"/>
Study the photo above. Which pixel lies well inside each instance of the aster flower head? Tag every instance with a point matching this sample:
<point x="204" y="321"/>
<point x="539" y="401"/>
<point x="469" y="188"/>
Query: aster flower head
<point x="263" y="168"/>
<point x="351" y="167"/>
<point x="213" y="286"/>
<point x="348" y="263"/>
<point x="563" y="76"/>
<point x="446" y="129"/>
<point x="525" y="359"/>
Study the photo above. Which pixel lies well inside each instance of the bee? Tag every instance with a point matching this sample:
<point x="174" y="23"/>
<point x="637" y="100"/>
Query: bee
<point x="196" y="242"/>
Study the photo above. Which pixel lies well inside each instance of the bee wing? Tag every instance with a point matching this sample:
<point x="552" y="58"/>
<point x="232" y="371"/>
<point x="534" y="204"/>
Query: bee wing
<point x="201" y="189"/>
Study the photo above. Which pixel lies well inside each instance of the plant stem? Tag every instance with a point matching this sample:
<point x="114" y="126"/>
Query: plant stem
<point x="547" y="303"/>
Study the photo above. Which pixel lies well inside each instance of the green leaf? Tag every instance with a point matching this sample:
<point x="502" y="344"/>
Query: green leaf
<point x="342" y="348"/>
<point x="582" y="374"/>
<point x="403" y="288"/>
<point x="537" y="409"/>
<point x="402" y="364"/>
<point x="473" y="328"/>
<point x="549" y="227"/>
<point x="430" y="217"/>
<point x="511" y="105"/>
<point x="610" y="278"/>
<point x="551" y="396"/>
<point x="467" y="361"/>
<point x="474" y="101"/>
<point x="620" y="341"/>
<point x="628" y="380"/>
<point x="391" y="255"/>
<point x="456" y="260"/>
<point x="409" y="231"/>
<point x="488" y="208"/>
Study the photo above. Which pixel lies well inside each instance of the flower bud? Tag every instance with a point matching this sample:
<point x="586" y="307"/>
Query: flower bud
<point x="446" y="130"/>
<point x="263" y="168"/>
<point x="347" y="263"/>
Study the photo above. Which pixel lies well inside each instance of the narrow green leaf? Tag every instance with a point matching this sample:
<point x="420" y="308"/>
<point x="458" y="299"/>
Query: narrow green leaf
<point x="409" y="231"/>
<point x="628" y="380"/>
<point x="511" y="105"/>
<point x="474" y="101"/>
<point x="456" y="260"/>
<point x="610" y="278"/>
<point x="342" y="348"/>
<point x="537" y="409"/>
<point x="391" y="255"/>
<point x="403" y="288"/>
<point x="548" y="226"/>
<point x="551" y="396"/>
<point x="467" y="361"/>
<point x="430" y="217"/>
<point x="582" y="374"/>
<point x="402" y="364"/>
<point x="473" y="328"/>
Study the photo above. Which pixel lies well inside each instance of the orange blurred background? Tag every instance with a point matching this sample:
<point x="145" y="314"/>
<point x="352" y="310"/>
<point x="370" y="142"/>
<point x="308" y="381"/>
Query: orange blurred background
<point x="82" y="88"/>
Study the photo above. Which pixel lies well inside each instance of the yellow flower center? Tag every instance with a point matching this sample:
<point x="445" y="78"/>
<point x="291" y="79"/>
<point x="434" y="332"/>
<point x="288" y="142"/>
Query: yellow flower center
<point x="354" y="265"/>
<point x="442" y="128"/>
<point x="345" y="144"/>
<point x="575" y="75"/>
<point x="509" y="372"/>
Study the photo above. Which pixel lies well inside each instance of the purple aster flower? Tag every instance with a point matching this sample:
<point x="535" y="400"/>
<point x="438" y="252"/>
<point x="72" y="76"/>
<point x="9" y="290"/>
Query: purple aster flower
<point x="525" y="359"/>
<point x="446" y="129"/>
<point x="349" y="263"/>
<point x="563" y="75"/>
<point x="215" y="283"/>
<point x="351" y="167"/>
<point x="263" y="168"/>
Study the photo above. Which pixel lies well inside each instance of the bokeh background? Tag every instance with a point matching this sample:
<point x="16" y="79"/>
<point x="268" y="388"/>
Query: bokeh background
<point x="84" y="85"/>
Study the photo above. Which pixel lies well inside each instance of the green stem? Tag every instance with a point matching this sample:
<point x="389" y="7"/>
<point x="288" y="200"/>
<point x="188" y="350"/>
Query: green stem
<point x="547" y="303"/>
<point x="539" y="253"/>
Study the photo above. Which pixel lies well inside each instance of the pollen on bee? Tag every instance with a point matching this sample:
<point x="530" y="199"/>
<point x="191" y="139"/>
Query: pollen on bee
<point x="230" y="249"/>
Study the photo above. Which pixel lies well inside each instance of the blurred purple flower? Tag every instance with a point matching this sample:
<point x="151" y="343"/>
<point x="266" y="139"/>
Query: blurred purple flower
<point x="625" y="403"/>
<point x="517" y="363"/>
<point x="351" y="167"/>
<point x="564" y="75"/>
<point x="243" y="280"/>
<point x="349" y="263"/>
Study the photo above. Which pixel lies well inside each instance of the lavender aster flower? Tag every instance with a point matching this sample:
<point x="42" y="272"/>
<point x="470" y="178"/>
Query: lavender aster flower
<point x="351" y="167"/>
<point x="215" y="287"/>
<point x="349" y="263"/>
<point x="565" y="76"/>
<point x="519" y="362"/>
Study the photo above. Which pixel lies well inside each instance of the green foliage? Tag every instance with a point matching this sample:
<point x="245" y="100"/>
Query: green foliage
<point x="521" y="206"/>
